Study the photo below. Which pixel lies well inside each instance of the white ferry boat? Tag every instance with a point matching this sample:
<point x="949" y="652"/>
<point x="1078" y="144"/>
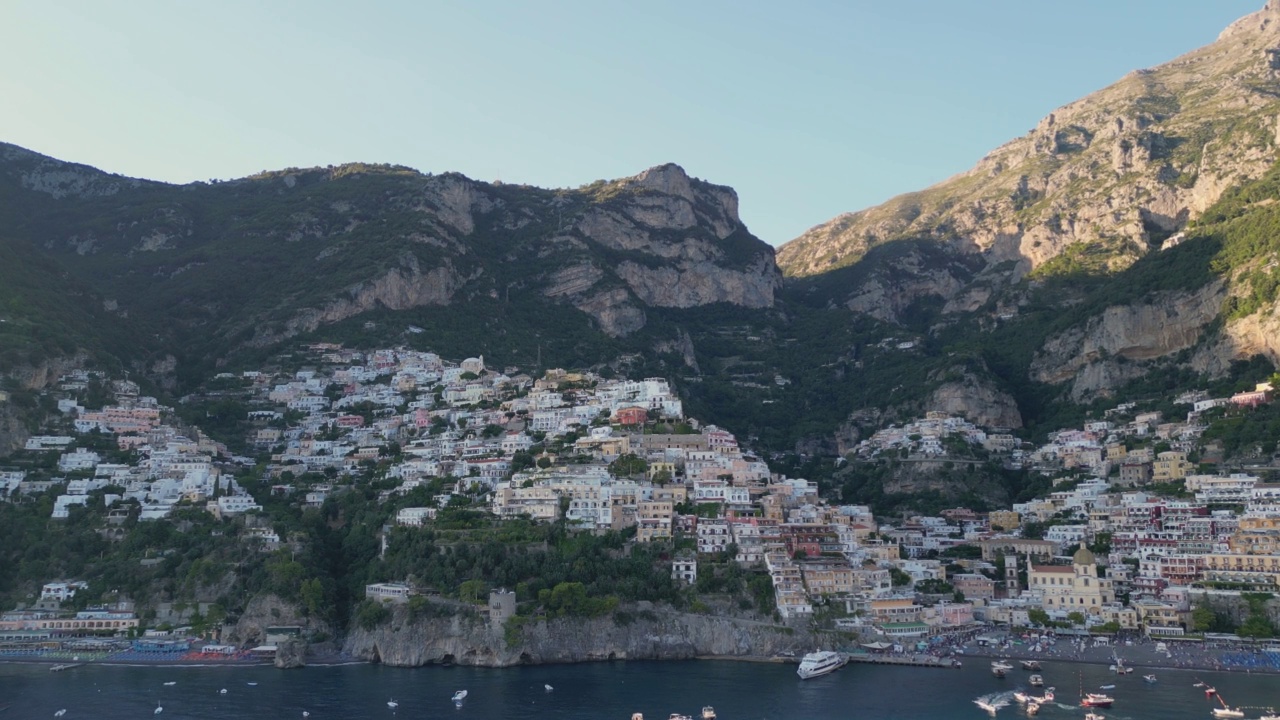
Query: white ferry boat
<point x="820" y="663"/>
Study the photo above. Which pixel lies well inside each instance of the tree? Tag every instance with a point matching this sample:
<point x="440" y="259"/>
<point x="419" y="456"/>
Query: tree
<point x="1076" y="618"/>
<point x="312" y="593"/>
<point x="1257" y="626"/>
<point x="1203" y="618"/>
<point x="1038" y="616"/>
<point x="899" y="578"/>
<point x="473" y="591"/>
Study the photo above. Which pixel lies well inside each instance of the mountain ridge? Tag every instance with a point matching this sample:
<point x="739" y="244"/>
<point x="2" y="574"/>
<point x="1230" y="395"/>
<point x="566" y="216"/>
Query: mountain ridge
<point x="1130" y="164"/>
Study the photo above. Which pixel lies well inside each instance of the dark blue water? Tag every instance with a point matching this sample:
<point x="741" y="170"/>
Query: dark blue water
<point x="601" y="691"/>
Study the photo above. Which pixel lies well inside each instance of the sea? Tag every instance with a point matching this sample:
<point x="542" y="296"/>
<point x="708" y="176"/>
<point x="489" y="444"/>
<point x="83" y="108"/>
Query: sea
<point x="605" y="691"/>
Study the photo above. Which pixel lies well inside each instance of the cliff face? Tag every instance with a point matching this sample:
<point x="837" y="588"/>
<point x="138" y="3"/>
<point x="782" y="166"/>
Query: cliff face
<point x="1118" y="344"/>
<point x="664" y="635"/>
<point x="1113" y="174"/>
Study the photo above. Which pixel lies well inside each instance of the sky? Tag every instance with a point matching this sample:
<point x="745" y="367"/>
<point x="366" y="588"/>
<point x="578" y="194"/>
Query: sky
<point x="808" y="108"/>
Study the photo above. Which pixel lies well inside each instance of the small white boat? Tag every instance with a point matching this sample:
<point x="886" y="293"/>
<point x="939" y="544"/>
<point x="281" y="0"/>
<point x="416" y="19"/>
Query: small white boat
<point x="306" y="713"/>
<point x="251" y="683"/>
<point x="678" y="716"/>
<point x="1228" y="712"/>
<point x="393" y="704"/>
<point x="708" y="713"/>
<point x="1270" y="715"/>
<point x="986" y="706"/>
<point x="1149" y="678"/>
<point x="223" y="691"/>
<point x="171" y="682"/>
<point x="1021" y="697"/>
<point x="1030" y="664"/>
<point x="1107" y="687"/>
<point x="1036" y="681"/>
<point x="1094" y="716"/>
<point x="158" y="710"/>
<point x="60" y="713"/>
<point x="548" y="688"/>
<point x="1033" y="707"/>
<point x="460" y="696"/>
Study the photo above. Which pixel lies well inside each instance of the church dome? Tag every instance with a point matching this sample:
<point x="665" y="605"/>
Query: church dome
<point x="1083" y="556"/>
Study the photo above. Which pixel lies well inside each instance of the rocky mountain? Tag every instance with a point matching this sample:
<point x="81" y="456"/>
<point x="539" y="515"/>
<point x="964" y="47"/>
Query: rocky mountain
<point x="235" y="264"/>
<point x="1097" y="184"/>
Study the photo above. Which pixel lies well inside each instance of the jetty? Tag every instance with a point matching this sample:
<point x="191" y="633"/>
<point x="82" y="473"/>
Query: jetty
<point x="913" y="660"/>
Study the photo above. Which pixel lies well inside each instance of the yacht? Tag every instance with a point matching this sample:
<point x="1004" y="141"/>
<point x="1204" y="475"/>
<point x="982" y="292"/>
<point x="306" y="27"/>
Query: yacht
<point x="708" y="713"/>
<point x="1096" y="700"/>
<point x="1036" y="681"/>
<point x="820" y="663"/>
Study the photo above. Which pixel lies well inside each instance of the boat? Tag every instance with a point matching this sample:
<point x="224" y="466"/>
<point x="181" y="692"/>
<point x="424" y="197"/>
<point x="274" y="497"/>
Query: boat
<point x="1210" y="691"/>
<point x="986" y="706"/>
<point x="171" y="683"/>
<point x="708" y="713"/>
<point x="1270" y="715"/>
<point x="393" y="704"/>
<point x="251" y="684"/>
<point x="1119" y="667"/>
<point x="1107" y="687"/>
<point x="1149" y="678"/>
<point x="820" y="663"/>
<point x="158" y="710"/>
<point x="459" y="696"/>
<point x="1021" y="697"/>
<point x="1048" y="696"/>
<point x="1096" y="700"/>
<point x="548" y="688"/>
<point x="1036" y="681"/>
<point x="1226" y="711"/>
<point x="1094" y="716"/>
<point x="637" y="716"/>
<point x="1033" y="707"/>
<point x="999" y="672"/>
<point x="1001" y="664"/>
<point x="678" y="716"/>
<point x="60" y="713"/>
<point x="1030" y="664"/>
<point x="63" y="666"/>
<point x="223" y="691"/>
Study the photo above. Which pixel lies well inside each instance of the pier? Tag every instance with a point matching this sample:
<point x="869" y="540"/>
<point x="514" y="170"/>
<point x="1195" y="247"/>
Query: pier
<point x="914" y="660"/>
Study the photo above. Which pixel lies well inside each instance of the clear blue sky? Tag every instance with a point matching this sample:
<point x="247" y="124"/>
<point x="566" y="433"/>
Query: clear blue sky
<point x="808" y="109"/>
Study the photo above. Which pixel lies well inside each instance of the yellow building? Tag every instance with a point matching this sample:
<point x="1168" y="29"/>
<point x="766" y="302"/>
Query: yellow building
<point x="1242" y="568"/>
<point x="1169" y="466"/>
<point x="1257" y="535"/>
<point x="1004" y="520"/>
<point x="827" y="578"/>
<point x="1076" y="588"/>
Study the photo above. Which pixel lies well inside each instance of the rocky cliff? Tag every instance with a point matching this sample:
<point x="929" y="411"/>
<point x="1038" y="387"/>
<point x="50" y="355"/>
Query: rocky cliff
<point x="1119" y="344"/>
<point x="646" y="635"/>
<point x="1110" y="176"/>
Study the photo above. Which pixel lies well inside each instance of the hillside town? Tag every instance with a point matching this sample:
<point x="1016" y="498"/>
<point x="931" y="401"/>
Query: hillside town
<point x="1133" y="536"/>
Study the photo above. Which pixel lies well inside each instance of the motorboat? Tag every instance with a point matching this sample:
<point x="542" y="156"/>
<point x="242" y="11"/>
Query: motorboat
<point x="547" y="687"/>
<point x="1227" y="712"/>
<point x="1036" y="681"/>
<point x="1001" y="664"/>
<point x="1094" y="716"/>
<point x="1033" y="665"/>
<point x="678" y="716"/>
<point x="1096" y="700"/>
<point x="1033" y="707"/>
<point x="708" y="713"/>
<point x="171" y="683"/>
<point x="223" y="691"/>
<point x="820" y="663"/>
<point x="1021" y="697"/>
<point x="459" y="696"/>
<point x="986" y="706"/>
<point x="1107" y="687"/>
<point x="1048" y="696"/>
<point x="158" y="710"/>
<point x="1149" y="678"/>
<point x="1270" y="714"/>
<point x="393" y="704"/>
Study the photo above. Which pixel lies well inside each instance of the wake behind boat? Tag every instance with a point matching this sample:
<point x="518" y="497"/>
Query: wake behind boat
<point x="820" y="663"/>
